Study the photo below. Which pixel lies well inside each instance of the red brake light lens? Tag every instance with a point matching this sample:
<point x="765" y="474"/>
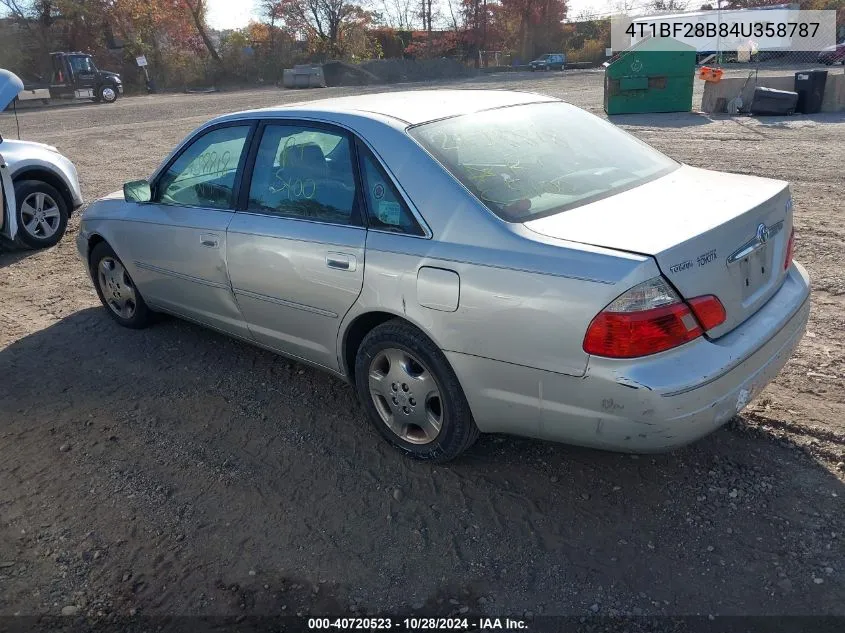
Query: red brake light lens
<point x="647" y="319"/>
<point x="633" y="334"/>
<point x="790" y="245"/>
<point x="651" y="318"/>
<point x="708" y="310"/>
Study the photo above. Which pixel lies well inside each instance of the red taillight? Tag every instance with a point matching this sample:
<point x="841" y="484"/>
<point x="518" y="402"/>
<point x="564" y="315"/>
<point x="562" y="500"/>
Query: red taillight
<point x="790" y="245"/>
<point x="632" y="334"/>
<point x="708" y="310"/>
<point x="650" y="318"/>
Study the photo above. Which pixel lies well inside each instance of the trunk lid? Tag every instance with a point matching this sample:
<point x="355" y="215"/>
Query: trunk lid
<point x="710" y="233"/>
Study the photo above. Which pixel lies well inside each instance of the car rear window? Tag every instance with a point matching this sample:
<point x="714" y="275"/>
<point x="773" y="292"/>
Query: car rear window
<point x="529" y="161"/>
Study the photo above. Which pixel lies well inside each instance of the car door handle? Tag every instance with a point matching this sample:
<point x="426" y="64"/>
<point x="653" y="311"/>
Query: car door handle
<point x="210" y="240"/>
<point x="341" y="261"/>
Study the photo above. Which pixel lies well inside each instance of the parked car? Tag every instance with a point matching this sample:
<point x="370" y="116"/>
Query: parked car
<point x="484" y="261"/>
<point x="40" y="187"/>
<point x="549" y="61"/>
<point x="833" y="54"/>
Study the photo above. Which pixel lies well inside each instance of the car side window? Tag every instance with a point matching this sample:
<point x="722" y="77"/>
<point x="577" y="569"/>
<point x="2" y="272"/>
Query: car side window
<point x="386" y="210"/>
<point x="204" y="174"/>
<point x="304" y="172"/>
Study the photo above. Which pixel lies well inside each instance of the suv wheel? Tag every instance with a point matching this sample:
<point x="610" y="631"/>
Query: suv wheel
<point x="42" y="214"/>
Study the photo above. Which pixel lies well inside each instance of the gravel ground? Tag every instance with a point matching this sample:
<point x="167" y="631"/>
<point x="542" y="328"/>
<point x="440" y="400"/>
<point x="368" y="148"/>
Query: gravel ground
<point x="175" y="471"/>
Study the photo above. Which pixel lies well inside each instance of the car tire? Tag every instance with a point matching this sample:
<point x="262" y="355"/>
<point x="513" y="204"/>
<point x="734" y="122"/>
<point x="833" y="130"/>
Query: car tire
<point x="116" y="290"/>
<point x="399" y="363"/>
<point x="107" y="93"/>
<point x="42" y="214"/>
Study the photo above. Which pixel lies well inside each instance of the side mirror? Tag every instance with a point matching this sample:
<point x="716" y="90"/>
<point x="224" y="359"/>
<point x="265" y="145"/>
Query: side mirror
<point x="137" y="191"/>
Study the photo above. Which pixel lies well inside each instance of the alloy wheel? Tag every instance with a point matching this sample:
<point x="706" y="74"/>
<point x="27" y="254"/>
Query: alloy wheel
<point x="40" y="215"/>
<point x="117" y="288"/>
<point x="406" y="396"/>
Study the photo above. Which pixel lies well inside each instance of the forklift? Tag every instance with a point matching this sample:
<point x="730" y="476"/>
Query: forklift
<point x="74" y="76"/>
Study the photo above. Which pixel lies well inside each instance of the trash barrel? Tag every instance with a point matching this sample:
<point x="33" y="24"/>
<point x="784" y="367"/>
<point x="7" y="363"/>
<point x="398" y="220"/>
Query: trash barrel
<point x="771" y="102"/>
<point x="654" y="75"/>
<point x="810" y="88"/>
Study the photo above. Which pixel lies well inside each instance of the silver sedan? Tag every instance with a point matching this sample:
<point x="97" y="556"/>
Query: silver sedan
<point x="470" y="261"/>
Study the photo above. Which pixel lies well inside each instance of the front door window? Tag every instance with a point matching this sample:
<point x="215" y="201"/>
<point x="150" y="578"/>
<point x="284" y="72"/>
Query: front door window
<point x="204" y="175"/>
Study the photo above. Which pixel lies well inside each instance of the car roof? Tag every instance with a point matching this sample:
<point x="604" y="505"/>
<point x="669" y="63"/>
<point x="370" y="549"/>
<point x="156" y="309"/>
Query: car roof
<point x="413" y="106"/>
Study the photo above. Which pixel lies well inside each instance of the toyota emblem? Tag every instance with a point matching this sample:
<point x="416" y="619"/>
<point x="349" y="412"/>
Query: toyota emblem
<point x="763" y="233"/>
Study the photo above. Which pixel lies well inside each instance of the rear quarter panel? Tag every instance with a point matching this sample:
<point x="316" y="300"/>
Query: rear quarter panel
<point x="528" y="308"/>
<point x="524" y="298"/>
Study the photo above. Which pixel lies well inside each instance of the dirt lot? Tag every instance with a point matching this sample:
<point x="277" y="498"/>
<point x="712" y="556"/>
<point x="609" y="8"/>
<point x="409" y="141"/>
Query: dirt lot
<point x="172" y="470"/>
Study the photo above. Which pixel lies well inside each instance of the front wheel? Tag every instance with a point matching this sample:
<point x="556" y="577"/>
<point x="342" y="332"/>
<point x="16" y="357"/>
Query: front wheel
<point x="107" y="94"/>
<point x="412" y="395"/>
<point x="116" y="289"/>
<point x="42" y="214"/>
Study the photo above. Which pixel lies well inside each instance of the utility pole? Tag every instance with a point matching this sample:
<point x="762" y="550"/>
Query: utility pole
<point x="484" y="29"/>
<point x="718" y="36"/>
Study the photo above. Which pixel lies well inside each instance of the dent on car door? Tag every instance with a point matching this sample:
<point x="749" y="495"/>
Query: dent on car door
<point x="176" y="244"/>
<point x="296" y="252"/>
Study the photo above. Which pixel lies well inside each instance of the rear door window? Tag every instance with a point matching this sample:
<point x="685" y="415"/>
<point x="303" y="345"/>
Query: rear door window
<point x="304" y="172"/>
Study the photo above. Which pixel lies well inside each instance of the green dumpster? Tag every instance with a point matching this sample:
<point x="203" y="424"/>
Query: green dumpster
<point x="654" y="75"/>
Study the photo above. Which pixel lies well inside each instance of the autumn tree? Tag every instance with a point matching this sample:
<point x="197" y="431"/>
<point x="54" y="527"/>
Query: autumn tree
<point x="538" y="24"/>
<point x="197" y="9"/>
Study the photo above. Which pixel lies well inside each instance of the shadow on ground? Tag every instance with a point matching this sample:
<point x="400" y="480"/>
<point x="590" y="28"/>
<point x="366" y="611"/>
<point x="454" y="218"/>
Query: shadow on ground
<point x="11" y="255"/>
<point x="667" y="119"/>
<point x="158" y="469"/>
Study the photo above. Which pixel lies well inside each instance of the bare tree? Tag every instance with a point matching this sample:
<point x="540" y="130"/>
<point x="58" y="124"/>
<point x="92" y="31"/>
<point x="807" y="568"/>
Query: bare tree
<point x="587" y="15"/>
<point x="399" y="13"/>
<point x="453" y="17"/>
<point x="197" y="10"/>
<point x="668" y="5"/>
<point x="39" y="11"/>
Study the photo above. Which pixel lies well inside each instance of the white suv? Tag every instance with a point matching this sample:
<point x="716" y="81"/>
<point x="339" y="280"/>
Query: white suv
<point x="39" y="188"/>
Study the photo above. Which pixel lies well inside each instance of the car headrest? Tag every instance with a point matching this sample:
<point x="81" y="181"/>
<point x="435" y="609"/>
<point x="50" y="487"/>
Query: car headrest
<point x="305" y="156"/>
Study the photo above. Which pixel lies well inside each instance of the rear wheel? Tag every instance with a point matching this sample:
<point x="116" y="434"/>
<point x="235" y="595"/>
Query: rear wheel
<point x="116" y="289"/>
<point x="412" y="395"/>
<point x="42" y="214"/>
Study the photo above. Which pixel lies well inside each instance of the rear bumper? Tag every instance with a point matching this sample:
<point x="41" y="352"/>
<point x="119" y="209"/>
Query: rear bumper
<point x="652" y="404"/>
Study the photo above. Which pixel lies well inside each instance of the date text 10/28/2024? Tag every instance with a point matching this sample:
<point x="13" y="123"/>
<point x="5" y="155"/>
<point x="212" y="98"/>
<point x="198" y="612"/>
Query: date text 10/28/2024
<point x="418" y="624"/>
